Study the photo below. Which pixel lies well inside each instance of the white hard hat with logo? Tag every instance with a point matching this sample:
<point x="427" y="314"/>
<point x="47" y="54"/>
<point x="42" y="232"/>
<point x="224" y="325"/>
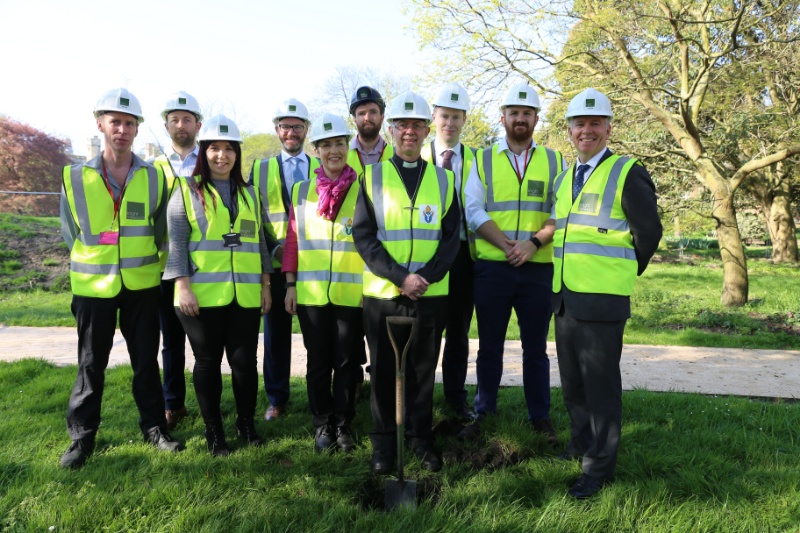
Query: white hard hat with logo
<point x="409" y="105"/>
<point x="291" y="108"/>
<point x="453" y="96"/>
<point x="589" y="103"/>
<point x="329" y="126"/>
<point x="219" y="128"/>
<point x="182" y="101"/>
<point x="521" y="94"/>
<point x="119" y="100"/>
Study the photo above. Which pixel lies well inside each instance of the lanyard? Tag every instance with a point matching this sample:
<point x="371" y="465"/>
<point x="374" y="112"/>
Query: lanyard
<point x="520" y="175"/>
<point x="117" y="202"/>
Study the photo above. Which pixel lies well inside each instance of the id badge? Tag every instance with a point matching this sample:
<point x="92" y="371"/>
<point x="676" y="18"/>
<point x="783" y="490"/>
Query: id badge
<point x="231" y="240"/>
<point x="109" y="237"/>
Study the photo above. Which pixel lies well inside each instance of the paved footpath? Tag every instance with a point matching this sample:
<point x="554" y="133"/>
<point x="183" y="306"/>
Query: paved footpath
<point x="740" y="372"/>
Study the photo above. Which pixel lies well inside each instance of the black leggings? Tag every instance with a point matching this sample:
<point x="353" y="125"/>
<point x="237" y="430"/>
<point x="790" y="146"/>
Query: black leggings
<point x="233" y="330"/>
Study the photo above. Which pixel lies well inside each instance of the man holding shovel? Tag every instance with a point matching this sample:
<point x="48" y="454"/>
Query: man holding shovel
<point x="406" y="228"/>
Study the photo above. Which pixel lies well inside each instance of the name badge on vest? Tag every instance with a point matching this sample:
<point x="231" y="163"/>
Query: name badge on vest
<point x="588" y="202"/>
<point x="134" y="210"/>
<point x="247" y="229"/>
<point x="231" y="240"/>
<point x="109" y="238"/>
<point x="536" y="188"/>
<point x="428" y="214"/>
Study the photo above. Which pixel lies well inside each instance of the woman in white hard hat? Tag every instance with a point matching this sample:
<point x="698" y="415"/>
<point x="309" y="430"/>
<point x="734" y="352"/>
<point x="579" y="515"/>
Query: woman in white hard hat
<point x="220" y="264"/>
<point x="323" y="277"/>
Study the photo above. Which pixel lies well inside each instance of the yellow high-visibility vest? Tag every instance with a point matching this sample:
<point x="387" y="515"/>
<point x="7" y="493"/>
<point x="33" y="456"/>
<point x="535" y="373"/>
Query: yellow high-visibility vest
<point x="354" y="158"/>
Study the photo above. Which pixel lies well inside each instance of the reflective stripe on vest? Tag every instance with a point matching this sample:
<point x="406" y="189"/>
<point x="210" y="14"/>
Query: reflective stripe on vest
<point x="169" y="174"/>
<point x="329" y="268"/>
<point x="100" y="270"/>
<point x="222" y="274"/>
<point x="410" y="232"/>
<point x="518" y="209"/>
<point x="267" y="181"/>
<point x="593" y="246"/>
<point x="354" y="158"/>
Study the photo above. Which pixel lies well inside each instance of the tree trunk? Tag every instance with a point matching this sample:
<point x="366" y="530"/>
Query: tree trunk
<point x="780" y="222"/>
<point x="734" y="261"/>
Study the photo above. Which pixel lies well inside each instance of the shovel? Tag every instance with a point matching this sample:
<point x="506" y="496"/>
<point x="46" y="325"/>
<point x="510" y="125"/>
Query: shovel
<point x="400" y="492"/>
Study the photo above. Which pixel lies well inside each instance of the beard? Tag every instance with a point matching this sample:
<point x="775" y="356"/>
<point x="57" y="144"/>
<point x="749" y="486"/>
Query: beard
<point x="369" y="132"/>
<point x="184" y="141"/>
<point x="518" y="135"/>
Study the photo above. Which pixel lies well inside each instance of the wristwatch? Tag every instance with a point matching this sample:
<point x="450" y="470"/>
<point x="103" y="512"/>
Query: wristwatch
<point x="536" y="242"/>
<point x="291" y="284"/>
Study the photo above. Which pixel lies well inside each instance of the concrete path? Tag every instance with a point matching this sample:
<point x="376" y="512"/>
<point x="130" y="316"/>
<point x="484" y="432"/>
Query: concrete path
<point x="739" y="372"/>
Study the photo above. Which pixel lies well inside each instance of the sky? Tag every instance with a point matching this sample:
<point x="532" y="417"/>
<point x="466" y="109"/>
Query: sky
<point x="240" y="58"/>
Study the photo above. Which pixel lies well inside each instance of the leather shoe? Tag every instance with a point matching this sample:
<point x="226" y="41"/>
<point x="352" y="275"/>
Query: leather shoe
<point x="174" y="416"/>
<point x="274" y="412"/>
<point x="428" y="458"/>
<point x="344" y="439"/>
<point x="77" y="453"/>
<point x="324" y="439"/>
<point x="162" y="440"/>
<point x="586" y="486"/>
<point x="462" y="412"/>
<point x="382" y="462"/>
<point x="545" y="427"/>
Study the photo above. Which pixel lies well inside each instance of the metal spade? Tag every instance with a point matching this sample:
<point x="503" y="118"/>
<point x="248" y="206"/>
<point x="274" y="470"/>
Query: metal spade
<point x="400" y="492"/>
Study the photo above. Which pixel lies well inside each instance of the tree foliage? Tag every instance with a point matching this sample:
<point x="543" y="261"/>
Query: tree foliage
<point x="258" y="146"/>
<point x="30" y="161"/>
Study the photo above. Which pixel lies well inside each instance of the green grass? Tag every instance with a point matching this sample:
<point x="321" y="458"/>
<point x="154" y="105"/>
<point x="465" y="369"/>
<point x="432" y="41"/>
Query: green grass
<point x="36" y="309"/>
<point x="687" y="463"/>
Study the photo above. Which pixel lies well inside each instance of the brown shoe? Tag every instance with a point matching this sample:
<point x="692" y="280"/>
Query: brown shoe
<point x="274" y="412"/>
<point x="174" y="416"/>
<point x="545" y="427"/>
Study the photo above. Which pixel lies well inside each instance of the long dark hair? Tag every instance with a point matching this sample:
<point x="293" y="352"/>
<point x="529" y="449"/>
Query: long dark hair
<point x="201" y="169"/>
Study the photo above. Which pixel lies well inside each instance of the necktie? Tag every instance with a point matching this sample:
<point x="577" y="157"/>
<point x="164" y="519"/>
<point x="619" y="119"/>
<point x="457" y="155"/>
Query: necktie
<point x="297" y="174"/>
<point x="577" y="183"/>
<point x="447" y="159"/>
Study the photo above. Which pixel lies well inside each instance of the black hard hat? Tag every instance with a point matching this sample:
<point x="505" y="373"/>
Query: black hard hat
<point x="365" y="95"/>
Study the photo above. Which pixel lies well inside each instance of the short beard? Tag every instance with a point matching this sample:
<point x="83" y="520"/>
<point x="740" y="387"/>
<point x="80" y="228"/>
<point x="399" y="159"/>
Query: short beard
<point x="186" y="142"/>
<point x="371" y="135"/>
<point x="518" y="137"/>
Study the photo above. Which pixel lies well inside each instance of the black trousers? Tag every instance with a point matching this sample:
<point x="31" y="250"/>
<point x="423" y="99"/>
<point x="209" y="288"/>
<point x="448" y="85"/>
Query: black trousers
<point x="423" y="356"/>
<point x="173" y="349"/>
<point x="334" y="339"/>
<point x="461" y="306"/>
<point x="588" y="361"/>
<point x="97" y="322"/>
<point x="233" y="330"/>
<point x="277" y="344"/>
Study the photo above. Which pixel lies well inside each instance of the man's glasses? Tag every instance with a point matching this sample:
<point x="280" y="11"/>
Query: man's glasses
<point x="298" y="128"/>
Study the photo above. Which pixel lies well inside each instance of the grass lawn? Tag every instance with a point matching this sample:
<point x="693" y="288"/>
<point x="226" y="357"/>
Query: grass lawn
<point x="687" y="463"/>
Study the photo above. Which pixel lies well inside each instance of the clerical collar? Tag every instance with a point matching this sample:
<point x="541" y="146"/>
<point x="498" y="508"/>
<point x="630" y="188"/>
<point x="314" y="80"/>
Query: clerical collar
<point x="406" y="164"/>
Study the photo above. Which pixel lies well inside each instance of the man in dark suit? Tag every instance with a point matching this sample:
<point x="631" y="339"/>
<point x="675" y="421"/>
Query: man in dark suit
<point x="603" y="241"/>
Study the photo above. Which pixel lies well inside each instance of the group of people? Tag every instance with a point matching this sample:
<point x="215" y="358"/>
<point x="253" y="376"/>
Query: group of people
<point x="363" y="231"/>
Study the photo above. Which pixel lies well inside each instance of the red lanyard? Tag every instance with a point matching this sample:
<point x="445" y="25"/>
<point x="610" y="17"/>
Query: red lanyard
<point x="524" y="167"/>
<point x="117" y="202"/>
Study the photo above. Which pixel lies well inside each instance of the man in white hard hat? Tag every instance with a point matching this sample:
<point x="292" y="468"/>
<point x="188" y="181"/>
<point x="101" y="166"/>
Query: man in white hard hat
<point x="367" y="147"/>
<point x="274" y="179"/>
<point x="603" y="241"/>
<point x="406" y="230"/>
<point x="446" y="150"/>
<point x="508" y="199"/>
<point x="112" y="219"/>
<point x="182" y="120"/>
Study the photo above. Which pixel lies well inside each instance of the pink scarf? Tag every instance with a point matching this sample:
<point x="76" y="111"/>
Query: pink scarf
<point x="332" y="193"/>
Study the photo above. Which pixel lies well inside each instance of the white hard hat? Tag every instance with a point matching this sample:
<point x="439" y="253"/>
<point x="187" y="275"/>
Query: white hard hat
<point x="182" y="101"/>
<point x="219" y="128"/>
<point x="454" y="96"/>
<point x="589" y="103"/>
<point x="291" y="108"/>
<point x="409" y="105"/>
<point x="119" y="100"/>
<point x="328" y="126"/>
<point x="521" y="94"/>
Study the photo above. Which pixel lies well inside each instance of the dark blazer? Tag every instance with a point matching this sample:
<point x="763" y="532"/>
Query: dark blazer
<point x="639" y="206"/>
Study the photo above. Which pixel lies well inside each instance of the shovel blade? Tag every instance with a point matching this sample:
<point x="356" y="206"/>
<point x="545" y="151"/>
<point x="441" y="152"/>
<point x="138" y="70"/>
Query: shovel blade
<point x="400" y="494"/>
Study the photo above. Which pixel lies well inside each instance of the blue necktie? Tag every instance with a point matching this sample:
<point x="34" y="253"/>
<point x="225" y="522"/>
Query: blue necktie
<point x="577" y="183"/>
<point x="297" y="174"/>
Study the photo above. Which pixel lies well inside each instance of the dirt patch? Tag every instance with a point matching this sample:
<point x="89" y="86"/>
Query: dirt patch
<point x="372" y="494"/>
<point x="32" y="254"/>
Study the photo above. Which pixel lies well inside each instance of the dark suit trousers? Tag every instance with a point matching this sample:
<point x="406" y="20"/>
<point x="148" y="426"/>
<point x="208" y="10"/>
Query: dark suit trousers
<point x="173" y="349"/>
<point x="461" y="306"/>
<point x="588" y="360"/>
<point x="277" y="344"/>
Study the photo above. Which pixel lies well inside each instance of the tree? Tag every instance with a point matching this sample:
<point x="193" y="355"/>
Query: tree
<point x="30" y="161"/>
<point x="258" y="146"/>
<point x="663" y="63"/>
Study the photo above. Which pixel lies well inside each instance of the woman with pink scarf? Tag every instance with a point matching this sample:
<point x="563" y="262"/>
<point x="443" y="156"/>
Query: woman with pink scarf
<point x="323" y="283"/>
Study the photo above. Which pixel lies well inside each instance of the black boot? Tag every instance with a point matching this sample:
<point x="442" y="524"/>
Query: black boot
<point x="246" y="427"/>
<point x="215" y="438"/>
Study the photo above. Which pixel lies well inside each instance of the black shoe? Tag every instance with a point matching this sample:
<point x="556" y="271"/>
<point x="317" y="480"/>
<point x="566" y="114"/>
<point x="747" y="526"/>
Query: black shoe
<point x="545" y="427"/>
<point x="382" y="462"/>
<point x="586" y="486"/>
<point x="344" y="439"/>
<point x="162" y="440"/>
<point x="472" y="431"/>
<point x="77" y="453"/>
<point x="428" y="457"/>
<point x="246" y="427"/>
<point x="324" y="438"/>
<point x="215" y="440"/>
<point x="461" y="412"/>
